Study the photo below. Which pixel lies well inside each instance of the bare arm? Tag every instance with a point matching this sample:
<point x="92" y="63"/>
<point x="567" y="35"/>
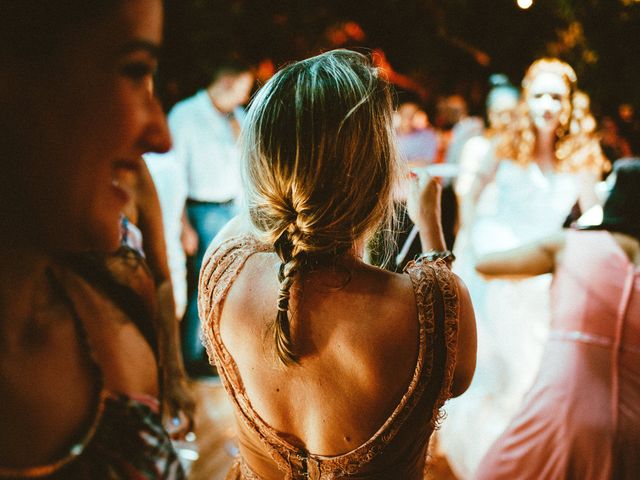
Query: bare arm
<point x="467" y="342"/>
<point x="188" y="236"/>
<point x="587" y="196"/>
<point x="151" y="226"/>
<point x="529" y="260"/>
<point x="176" y="395"/>
<point x="423" y="207"/>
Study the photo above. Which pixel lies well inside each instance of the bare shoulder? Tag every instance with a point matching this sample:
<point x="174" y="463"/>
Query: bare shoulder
<point x="237" y="226"/>
<point x="358" y="315"/>
<point x="356" y="339"/>
<point x="467" y="340"/>
<point x="47" y="389"/>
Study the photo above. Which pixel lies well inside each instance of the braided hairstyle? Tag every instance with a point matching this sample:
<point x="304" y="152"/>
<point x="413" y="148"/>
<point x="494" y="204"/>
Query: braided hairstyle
<point x="319" y="167"/>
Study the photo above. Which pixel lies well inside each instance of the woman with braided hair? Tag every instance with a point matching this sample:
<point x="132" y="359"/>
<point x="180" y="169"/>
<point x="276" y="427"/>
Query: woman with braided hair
<point x="336" y="369"/>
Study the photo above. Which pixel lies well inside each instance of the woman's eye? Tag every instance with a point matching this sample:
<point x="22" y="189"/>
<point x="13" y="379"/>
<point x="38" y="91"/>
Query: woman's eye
<point x="138" y="70"/>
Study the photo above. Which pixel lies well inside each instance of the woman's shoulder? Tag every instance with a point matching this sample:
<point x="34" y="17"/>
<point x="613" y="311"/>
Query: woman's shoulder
<point x="237" y="237"/>
<point x="444" y="304"/>
<point x="226" y="257"/>
<point x="430" y="275"/>
<point x="224" y="260"/>
<point x="45" y="367"/>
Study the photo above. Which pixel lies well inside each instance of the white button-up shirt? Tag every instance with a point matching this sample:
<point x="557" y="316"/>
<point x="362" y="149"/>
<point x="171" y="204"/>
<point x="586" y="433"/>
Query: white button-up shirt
<point x="205" y="145"/>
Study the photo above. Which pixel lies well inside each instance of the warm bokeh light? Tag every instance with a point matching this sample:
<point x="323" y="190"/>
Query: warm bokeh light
<point x="524" y="4"/>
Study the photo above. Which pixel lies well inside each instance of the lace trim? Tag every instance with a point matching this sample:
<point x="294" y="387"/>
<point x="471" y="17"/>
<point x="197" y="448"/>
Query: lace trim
<point x="449" y="291"/>
<point x="241" y="471"/>
<point x="218" y="272"/>
<point x="222" y="267"/>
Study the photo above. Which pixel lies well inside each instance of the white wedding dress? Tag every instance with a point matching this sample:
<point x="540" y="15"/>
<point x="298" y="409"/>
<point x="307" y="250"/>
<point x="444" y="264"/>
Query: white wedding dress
<point x="521" y="205"/>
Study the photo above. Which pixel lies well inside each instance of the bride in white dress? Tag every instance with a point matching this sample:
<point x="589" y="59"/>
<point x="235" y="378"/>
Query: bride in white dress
<point x="523" y="188"/>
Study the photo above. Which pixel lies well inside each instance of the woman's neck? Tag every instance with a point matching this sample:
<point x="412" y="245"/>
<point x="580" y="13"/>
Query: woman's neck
<point x="217" y="97"/>
<point x="545" y="153"/>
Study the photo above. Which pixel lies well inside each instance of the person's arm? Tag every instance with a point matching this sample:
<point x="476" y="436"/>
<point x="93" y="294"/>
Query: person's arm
<point x="180" y="124"/>
<point x="188" y="236"/>
<point x="176" y="395"/>
<point x="526" y="261"/>
<point x="423" y="207"/>
<point x="467" y="342"/>
<point x="587" y="195"/>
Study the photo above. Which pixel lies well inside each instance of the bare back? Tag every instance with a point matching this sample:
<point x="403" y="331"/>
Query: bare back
<point x="360" y="342"/>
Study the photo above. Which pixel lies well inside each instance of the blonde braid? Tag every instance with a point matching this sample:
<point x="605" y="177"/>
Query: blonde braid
<point x="289" y="268"/>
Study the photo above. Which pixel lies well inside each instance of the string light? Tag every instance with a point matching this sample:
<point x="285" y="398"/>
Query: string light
<point x="524" y="4"/>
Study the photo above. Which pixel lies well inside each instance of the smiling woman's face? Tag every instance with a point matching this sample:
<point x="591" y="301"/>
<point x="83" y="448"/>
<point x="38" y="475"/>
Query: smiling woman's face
<point x="547" y="96"/>
<point x="91" y="114"/>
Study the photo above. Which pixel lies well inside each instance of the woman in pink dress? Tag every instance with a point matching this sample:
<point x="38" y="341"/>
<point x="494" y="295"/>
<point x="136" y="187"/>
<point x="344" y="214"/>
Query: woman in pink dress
<point x="581" y="419"/>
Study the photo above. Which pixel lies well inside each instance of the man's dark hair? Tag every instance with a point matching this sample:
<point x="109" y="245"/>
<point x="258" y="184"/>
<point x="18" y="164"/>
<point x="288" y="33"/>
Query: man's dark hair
<point x="621" y="211"/>
<point x="233" y="67"/>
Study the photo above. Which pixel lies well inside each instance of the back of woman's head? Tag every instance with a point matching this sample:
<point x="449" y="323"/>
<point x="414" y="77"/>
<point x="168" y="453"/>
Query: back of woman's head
<point x="621" y="210"/>
<point x="319" y="165"/>
<point x="501" y="87"/>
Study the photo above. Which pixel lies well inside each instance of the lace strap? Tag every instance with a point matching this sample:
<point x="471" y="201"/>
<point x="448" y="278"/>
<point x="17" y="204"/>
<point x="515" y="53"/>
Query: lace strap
<point x="448" y="289"/>
<point x="437" y="298"/>
<point x="220" y="268"/>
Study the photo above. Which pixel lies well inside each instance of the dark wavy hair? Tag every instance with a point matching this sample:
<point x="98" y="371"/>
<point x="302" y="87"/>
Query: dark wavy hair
<point x="621" y="211"/>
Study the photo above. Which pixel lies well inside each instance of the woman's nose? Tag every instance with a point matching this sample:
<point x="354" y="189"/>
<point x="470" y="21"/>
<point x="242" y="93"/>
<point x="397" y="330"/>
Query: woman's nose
<point x="157" y="137"/>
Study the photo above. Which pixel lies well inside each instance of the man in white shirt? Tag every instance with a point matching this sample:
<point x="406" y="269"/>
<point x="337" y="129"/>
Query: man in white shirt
<point x="205" y="129"/>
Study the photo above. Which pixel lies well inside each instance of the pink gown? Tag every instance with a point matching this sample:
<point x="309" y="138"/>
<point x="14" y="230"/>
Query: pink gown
<point x="581" y="418"/>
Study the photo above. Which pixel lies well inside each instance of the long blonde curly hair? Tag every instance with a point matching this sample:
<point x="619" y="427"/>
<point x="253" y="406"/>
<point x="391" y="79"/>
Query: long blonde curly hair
<point x="576" y="143"/>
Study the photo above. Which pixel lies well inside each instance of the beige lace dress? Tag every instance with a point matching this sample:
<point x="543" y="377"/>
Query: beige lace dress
<point x="398" y="450"/>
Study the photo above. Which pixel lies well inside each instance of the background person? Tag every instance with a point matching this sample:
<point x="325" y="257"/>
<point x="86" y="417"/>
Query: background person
<point x="205" y="129"/>
<point x="79" y="376"/>
<point x="581" y="418"/>
<point x="546" y="161"/>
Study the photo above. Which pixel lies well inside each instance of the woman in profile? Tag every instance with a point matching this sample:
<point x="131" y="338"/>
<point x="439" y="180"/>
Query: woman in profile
<point x="335" y="368"/>
<point x="581" y="418"/>
<point x="79" y="383"/>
